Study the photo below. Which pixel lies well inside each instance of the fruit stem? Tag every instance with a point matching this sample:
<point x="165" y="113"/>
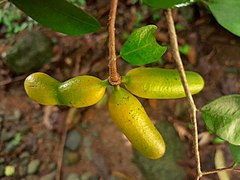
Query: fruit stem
<point x="114" y="78"/>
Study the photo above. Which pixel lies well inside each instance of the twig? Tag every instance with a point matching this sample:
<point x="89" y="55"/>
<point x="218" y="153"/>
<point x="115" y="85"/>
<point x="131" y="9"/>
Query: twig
<point x="176" y="56"/>
<point x="231" y="168"/>
<point x="61" y="151"/>
<point x="10" y="80"/>
<point x="114" y="77"/>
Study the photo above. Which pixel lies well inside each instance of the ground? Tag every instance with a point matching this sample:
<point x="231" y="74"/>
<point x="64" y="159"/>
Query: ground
<point x="100" y="151"/>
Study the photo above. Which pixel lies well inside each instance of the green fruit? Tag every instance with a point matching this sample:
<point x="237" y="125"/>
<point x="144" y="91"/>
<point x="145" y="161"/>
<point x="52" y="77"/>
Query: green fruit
<point x="130" y="117"/>
<point x="77" y="92"/>
<point x="81" y="91"/>
<point x="42" y="88"/>
<point x="158" y="83"/>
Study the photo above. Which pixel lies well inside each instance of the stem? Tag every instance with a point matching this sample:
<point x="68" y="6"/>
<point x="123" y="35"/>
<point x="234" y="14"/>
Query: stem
<point x="114" y="77"/>
<point x="176" y="56"/>
<point x="231" y="168"/>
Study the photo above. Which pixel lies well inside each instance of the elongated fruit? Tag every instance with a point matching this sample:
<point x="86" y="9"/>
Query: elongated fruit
<point x="158" y="83"/>
<point x="130" y="117"/>
<point x="78" y="92"/>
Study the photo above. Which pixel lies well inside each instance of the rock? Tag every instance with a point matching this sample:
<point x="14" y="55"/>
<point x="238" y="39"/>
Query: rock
<point x="24" y="158"/>
<point x="164" y="167"/>
<point x="7" y="135"/>
<point x="70" y="158"/>
<point x="24" y="155"/>
<point x="90" y="176"/>
<point x="73" y="140"/>
<point x="10" y="146"/>
<point x="50" y="176"/>
<point x="32" y="177"/>
<point x="29" y="53"/>
<point x="23" y="129"/>
<point x="33" y="166"/>
<point x="73" y="176"/>
<point x="2" y="160"/>
<point x="1" y="170"/>
<point x="52" y="166"/>
<point x="16" y="116"/>
<point x="22" y="171"/>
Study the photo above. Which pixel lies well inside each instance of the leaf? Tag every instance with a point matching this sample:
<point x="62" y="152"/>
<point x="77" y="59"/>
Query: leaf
<point x="59" y="15"/>
<point x="141" y="47"/>
<point x="167" y="3"/>
<point x="220" y="163"/>
<point x="235" y="150"/>
<point x="222" y="117"/>
<point x="227" y="13"/>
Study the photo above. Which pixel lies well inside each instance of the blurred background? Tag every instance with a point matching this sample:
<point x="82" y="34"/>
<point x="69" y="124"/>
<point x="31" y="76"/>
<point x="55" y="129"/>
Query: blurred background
<point x="31" y="135"/>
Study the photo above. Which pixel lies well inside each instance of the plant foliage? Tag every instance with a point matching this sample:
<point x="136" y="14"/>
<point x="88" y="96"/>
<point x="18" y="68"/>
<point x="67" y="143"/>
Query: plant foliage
<point x="141" y="47"/>
<point x="222" y="117"/>
<point x="59" y="15"/>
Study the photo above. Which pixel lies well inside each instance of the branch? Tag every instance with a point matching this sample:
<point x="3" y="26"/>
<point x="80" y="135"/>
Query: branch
<point x="114" y="77"/>
<point x="231" y="168"/>
<point x="176" y="56"/>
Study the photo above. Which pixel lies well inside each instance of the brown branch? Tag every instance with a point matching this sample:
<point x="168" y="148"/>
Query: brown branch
<point x="176" y="56"/>
<point x="231" y="168"/>
<point x="114" y="77"/>
<point x="61" y="151"/>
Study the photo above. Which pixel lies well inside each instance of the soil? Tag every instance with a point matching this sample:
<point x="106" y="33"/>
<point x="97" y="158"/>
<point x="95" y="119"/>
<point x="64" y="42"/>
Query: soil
<point x="104" y="152"/>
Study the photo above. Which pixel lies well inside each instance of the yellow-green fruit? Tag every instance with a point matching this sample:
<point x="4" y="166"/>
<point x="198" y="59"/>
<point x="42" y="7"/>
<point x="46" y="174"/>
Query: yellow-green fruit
<point x="158" y="83"/>
<point x="77" y="92"/>
<point x="81" y="91"/>
<point x="130" y="117"/>
<point x="42" y="88"/>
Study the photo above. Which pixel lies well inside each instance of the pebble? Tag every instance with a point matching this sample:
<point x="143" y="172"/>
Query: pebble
<point x="50" y="176"/>
<point x="73" y="176"/>
<point x="52" y="166"/>
<point x="70" y="158"/>
<point x="73" y="140"/>
<point x="32" y="177"/>
<point x="88" y="176"/>
<point x="24" y="155"/>
<point x="10" y="147"/>
<point x="2" y="160"/>
<point x="16" y="116"/>
<point x="7" y="135"/>
<point x="33" y="166"/>
<point x="24" y="129"/>
<point x="1" y="170"/>
<point x="22" y="171"/>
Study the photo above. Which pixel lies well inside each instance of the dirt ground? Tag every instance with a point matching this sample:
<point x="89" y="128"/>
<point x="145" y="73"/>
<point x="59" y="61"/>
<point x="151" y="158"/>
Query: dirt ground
<point x="104" y="152"/>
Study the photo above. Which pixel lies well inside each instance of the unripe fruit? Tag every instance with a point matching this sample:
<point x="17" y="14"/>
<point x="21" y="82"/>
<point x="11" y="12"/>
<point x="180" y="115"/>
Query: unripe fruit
<point x="158" y="83"/>
<point x="77" y="92"/>
<point x="130" y="117"/>
<point x="42" y="88"/>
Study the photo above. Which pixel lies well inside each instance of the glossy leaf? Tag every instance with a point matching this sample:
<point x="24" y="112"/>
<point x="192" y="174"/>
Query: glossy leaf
<point x="235" y="150"/>
<point x="59" y="15"/>
<point x="167" y="3"/>
<point x="227" y="13"/>
<point x="141" y="47"/>
<point x="222" y="117"/>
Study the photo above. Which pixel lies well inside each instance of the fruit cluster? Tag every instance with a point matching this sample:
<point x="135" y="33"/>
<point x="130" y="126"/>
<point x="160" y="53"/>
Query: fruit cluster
<point x="125" y="109"/>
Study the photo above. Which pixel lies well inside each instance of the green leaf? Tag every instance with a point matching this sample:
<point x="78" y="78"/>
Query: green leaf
<point x="235" y="150"/>
<point x="59" y="15"/>
<point x="222" y="117"/>
<point x="167" y="3"/>
<point x="141" y="47"/>
<point x="227" y="13"/>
